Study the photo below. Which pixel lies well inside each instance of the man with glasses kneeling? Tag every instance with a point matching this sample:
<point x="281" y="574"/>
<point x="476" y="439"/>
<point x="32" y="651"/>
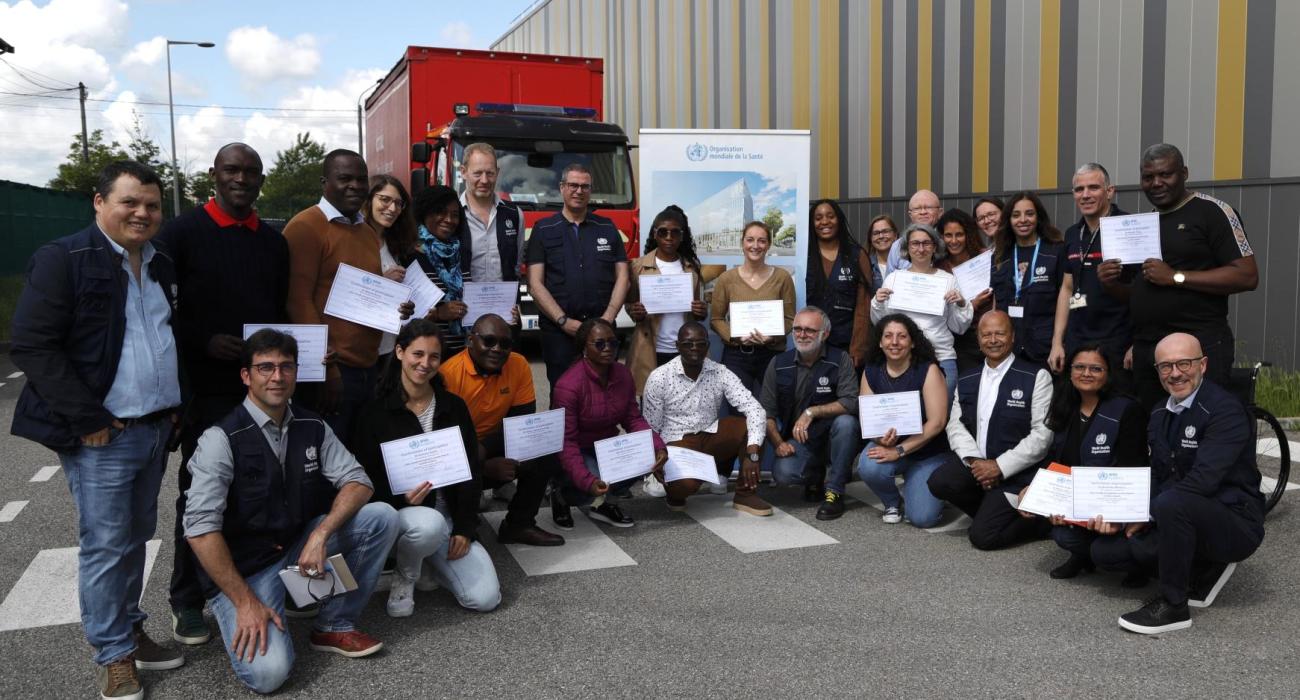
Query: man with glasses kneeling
<point x="274" y="488"/>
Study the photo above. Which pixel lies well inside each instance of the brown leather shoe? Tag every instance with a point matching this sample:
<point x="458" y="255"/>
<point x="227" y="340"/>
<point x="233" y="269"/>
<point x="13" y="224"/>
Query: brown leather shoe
<point x="119" y="680"/>
<point x="748" y="502"/>
<point x="531" y="535"/>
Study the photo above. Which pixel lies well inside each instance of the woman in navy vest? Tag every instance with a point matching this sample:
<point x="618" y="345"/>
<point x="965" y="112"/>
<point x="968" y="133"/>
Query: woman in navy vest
<point x="1028" y="267"/>
<point x="902" y="359"/>
<point x="838" y="278"/>
<point x="436" y="528"/>
<point x="1094" y="427"/>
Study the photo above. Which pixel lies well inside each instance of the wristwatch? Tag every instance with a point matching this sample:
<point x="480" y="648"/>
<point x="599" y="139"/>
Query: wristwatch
<point x="753" y="457"/>
<point x="901" y="450"/>
<point x="1179" y="278"/>
<point x="563" y="319"/>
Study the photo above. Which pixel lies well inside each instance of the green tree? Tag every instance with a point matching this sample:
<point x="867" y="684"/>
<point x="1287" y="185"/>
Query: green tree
<point x="78" y="175"/>
<point x="143" y="150"/>
<point x="774" y="221"/>
<point x="202" y="186"/>
<point x="786" y="233"/>
<point x="293" y="183"/>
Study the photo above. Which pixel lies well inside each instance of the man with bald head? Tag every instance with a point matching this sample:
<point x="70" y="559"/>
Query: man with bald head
<point x="231" y="269"/>
<point x="999" y="436"/>
<point x="1206" y="508"/>
<point x="923" y="208"/>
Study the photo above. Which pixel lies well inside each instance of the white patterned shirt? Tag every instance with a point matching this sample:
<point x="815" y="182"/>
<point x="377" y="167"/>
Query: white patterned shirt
<point x="676" y="405"/>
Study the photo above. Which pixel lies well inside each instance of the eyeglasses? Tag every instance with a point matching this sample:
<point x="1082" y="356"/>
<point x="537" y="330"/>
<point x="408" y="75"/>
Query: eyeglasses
<point x="883" y="232"/>
<point x="692" y="344"/>
<point x="805" y="330"/>
<point x="1080" y="368"/>
<point x="925" y="207"/>
<point x="267" y="369"/>
<point x="385" y="202"/>
<point x="321" y="579"/>
<point x="577" y="186"/>
<point x="603" y="344"/>
<point x="989" y="216"/>
<point x="920" y="244"/>
<point x="504" y="342"/>
<point x="665" y="232"/>
<point x="1184" y="366"/>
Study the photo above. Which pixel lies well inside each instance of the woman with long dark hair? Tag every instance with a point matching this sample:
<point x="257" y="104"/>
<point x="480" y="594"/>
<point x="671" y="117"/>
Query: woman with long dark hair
<point x="962" y="241"/>
<point x="749" y="352"/>
<point x="436" y="529"/>
<point x="388" y="210"/>
<point x="838" y="278"/>
<point x="1028" y="268"/>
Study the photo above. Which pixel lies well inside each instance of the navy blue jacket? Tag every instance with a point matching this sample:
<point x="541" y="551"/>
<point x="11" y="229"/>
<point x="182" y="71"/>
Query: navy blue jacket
<point x="822" y="388"/>
<point x="67" y="335"/>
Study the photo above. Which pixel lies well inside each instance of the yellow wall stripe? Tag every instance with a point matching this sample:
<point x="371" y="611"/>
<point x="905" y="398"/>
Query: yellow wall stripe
<point x="924" y="103"/>
<point x="1230" y="91"/>
<point x="801" y="68"/>
<point x="979" y="131"/>
<point x="1049" y="69"/>
<point x="876" y="106"/>
<point x="828" y="103"/>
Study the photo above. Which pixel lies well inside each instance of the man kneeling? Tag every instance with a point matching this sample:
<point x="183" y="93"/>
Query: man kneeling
<point x="274" y="487"/>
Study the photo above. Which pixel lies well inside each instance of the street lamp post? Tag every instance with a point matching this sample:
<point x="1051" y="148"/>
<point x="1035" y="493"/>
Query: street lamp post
<point x="361" y="145"/>
<point x="171" y="116"/>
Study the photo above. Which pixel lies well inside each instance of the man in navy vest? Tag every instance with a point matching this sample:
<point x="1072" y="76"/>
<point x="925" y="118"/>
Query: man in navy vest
<point x="1207" y="509"/>
<point x="93" y="333"/>
<point x="999" y="435"/>
<point x="492" y="230"/>
<point x="810" y="394"/>
<point x="273" y="487"/>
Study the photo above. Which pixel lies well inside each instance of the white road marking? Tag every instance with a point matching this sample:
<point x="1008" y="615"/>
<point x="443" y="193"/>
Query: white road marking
<point x="44" y="473"/>
<point x="1269" y="448"/>
<point x="585" y="546"/>
<point x="46" y="593"/>
<point x="751" y="533"/>
<point x="861" y="492"/>
<point x="11" y="510"/>
<point x="1268" y="483"/>
<point x="15" y="375"/>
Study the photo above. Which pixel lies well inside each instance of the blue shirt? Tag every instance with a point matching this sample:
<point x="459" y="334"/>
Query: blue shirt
<point x="147" y="374"/>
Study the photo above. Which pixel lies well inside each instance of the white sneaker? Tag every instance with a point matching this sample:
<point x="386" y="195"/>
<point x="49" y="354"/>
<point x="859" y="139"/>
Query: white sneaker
<point x="427" y="582"/>
<point x="720" y="488"/>
<point x="892" y="516"/>
<point x="652" y="487"/>
<point x="401" y="596"/>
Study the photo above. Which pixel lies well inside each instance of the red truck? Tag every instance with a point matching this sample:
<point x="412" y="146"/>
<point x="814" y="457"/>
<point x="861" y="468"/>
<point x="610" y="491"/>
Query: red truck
<point x="540" y="112"/>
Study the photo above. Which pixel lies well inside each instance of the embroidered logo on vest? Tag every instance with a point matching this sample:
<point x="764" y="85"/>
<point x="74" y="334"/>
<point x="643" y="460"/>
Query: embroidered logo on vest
<point x="311" y="464"/>
<point x="1101" y="439"/>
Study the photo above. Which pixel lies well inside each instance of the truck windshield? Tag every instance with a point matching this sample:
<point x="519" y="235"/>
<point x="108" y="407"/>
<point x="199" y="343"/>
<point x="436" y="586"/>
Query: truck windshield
<point x="529" y="177"/>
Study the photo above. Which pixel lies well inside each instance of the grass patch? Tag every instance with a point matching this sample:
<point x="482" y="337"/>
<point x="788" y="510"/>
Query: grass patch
<point x="1278" y="392"/>
<point x="10" y="287"/>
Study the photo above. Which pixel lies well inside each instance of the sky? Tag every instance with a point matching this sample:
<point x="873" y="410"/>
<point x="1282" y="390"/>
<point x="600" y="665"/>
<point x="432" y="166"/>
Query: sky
<point x="300" y="65"/>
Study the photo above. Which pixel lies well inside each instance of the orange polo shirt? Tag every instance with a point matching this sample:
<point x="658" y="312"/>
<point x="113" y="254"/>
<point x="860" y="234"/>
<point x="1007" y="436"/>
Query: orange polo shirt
<point x="489" y="396"/>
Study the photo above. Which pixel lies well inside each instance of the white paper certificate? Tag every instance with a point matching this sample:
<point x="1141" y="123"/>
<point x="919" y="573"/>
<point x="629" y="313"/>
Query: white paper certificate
<point x="663" y="294"/>
<point x="484" y="298"/>
<point x="312" y="341"/>
<point x="624" y="457"/>
<point x="1131" y="238"/>
<point x="877" y="413"/>
<point x="973" y="276"/>
<point x="370" y="300"/>
<point x="530" y="437"/>
<point x="437" y="457"/>
<point x="424" y="293"/>
<point x="1050" y="493"/>
<point x="689" y="464"/>
<point x="919" y="293"/>
<point x="768" y="317"/>
<point x="1118" y="495"/>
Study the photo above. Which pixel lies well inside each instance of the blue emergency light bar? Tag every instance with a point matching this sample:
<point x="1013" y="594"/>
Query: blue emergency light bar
<point x="537" y="110"/>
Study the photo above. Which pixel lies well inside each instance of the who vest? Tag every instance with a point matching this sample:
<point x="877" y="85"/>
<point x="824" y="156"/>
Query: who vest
<point x="822" y="388"/>
<point x="1101" y="437"/>
<point x="1011" y="419"/>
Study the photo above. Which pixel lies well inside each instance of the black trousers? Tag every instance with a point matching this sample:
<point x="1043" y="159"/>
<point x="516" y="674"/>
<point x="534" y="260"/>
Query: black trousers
<point x="995" y="523"/>
<point x="202" y="413"/>
<point x="558" y="351"/>
<point x="531" y="478"/>
<point x="1217" y="347"/>
<point x="1190" y="530"/>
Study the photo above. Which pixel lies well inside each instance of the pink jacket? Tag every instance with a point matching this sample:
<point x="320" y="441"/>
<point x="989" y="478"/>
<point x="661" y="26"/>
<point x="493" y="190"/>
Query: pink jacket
<point x="594" y="412"/>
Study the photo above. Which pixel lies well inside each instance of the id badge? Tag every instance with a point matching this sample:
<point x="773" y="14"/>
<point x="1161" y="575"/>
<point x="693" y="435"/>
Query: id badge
<point x="1016" y="311"/>
<point x="1078" y="301"/>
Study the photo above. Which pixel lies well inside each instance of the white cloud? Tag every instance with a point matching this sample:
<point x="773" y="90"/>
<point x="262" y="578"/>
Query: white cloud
<point x="458" y="35"/>
<point x="262" y="56"/>
<point x="146" y="53"/>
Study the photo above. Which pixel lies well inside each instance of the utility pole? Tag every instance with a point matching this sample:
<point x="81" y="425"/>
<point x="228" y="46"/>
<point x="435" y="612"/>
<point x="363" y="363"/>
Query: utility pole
<point x="85" y="138"/>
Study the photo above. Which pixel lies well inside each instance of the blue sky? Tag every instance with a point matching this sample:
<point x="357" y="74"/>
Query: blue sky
<point x="303" y="63"/>
<point x="688" y="189"/>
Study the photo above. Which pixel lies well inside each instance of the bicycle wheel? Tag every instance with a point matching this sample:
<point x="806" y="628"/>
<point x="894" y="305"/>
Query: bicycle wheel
<point x="1273" y="457"/>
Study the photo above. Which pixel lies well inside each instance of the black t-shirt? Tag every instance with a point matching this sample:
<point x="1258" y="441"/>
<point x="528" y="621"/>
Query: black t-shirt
<point x="1203" y="234"/>
<point x="1105" y="320"/>
<point x="1130" y="448"/>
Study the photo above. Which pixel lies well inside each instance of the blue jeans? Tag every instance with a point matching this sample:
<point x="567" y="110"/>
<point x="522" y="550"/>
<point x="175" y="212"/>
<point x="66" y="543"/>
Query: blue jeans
<point x="364" y="541"/>
<point x="840" y="444"/>
<point x="115" y="488"/>
<point x="949" y="368"/>
<point x="923" y="509"/>
<point x="423" y="535"/>
<point x="575" y="497"/>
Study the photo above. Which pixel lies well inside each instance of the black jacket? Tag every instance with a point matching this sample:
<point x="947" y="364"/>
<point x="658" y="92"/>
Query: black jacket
<point x="386" y="418"/>
<point x="67" y="335"/>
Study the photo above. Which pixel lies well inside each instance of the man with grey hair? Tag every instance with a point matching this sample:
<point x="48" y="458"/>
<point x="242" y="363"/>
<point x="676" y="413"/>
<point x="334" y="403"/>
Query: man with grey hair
<point x="492" y="230"/>
<point x="1085" y="314"/>
<point x="1205" y="258"/>
<point x="923" y="208"/>
<point x="810" y="395"/>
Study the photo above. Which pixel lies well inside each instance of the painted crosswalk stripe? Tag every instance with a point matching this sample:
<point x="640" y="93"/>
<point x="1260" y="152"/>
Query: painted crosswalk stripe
<point x="585" y="546"/>
<point x="46" y="593"/>
<point x="1269" y="448"/>
<point x="859" y="491"/>
<point x="750" y="533"/>
<point x="1268" y="483"/>
<point x="15" y="375"/>
<point x="11" y="510"/>
<point x="44" y="473"/>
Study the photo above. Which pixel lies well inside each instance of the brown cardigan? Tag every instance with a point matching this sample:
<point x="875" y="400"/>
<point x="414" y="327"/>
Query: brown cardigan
<point x="641" y="351"/>
<point x="730" y="287"/>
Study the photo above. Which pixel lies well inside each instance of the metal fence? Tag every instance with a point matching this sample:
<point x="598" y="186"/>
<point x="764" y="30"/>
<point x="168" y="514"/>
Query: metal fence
<point x="31" y="216"/>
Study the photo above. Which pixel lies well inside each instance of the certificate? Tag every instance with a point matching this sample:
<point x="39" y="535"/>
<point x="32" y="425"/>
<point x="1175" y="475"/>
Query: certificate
<point x="484" y="298"/>
<point x="1117" y="494"/>
<point x="877" y="413"/>
<point x="370" y="300"/>
<point x="689" y="464"/>
<point x="1131" y="238"/>
<point x="424" y="293"/>
<point x="663" y="294"/>
<point x="530" y="437"/>
<point x="919" y="293"/>
<point x="974" y="275"/>
<point x="767" y="317"/>
<point x="437" y="457"/>
<point x="1050" y="493"/>
<point x="312" y="340"/>
<point x="624" y="457"/>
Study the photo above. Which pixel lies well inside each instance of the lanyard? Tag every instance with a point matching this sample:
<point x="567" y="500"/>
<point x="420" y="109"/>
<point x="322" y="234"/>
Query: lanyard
<point x="1085" y="250"/>
<point x="1033" y="265"/>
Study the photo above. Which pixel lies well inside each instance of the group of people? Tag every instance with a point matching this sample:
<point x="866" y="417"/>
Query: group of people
<point x="131" y="334"/>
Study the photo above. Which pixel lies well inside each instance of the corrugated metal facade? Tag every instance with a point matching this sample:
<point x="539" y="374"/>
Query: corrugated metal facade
<point x="972" y="96"/>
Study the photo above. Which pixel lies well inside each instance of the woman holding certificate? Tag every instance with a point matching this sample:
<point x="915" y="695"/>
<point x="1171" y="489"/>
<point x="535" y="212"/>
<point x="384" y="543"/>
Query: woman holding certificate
<point x="670" y="251"/>
<point x="438" y="212"/>
<point x="962" y="241"/>
<point x="435" y="541"/>
<point x="902" y="360"/>
<point x="837" y="279"/>
<point x="748" y="351"/>
<point x="388" y="211"/>
<point x="1028" y="267"/>
<point x="928" y="296"/>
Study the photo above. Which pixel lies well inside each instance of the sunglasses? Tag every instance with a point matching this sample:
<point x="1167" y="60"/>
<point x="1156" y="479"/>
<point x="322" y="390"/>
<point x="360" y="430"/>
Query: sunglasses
<point x="603" y="344"/>
<point x="665" y="232"/>
<point x="491" y="341"/>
